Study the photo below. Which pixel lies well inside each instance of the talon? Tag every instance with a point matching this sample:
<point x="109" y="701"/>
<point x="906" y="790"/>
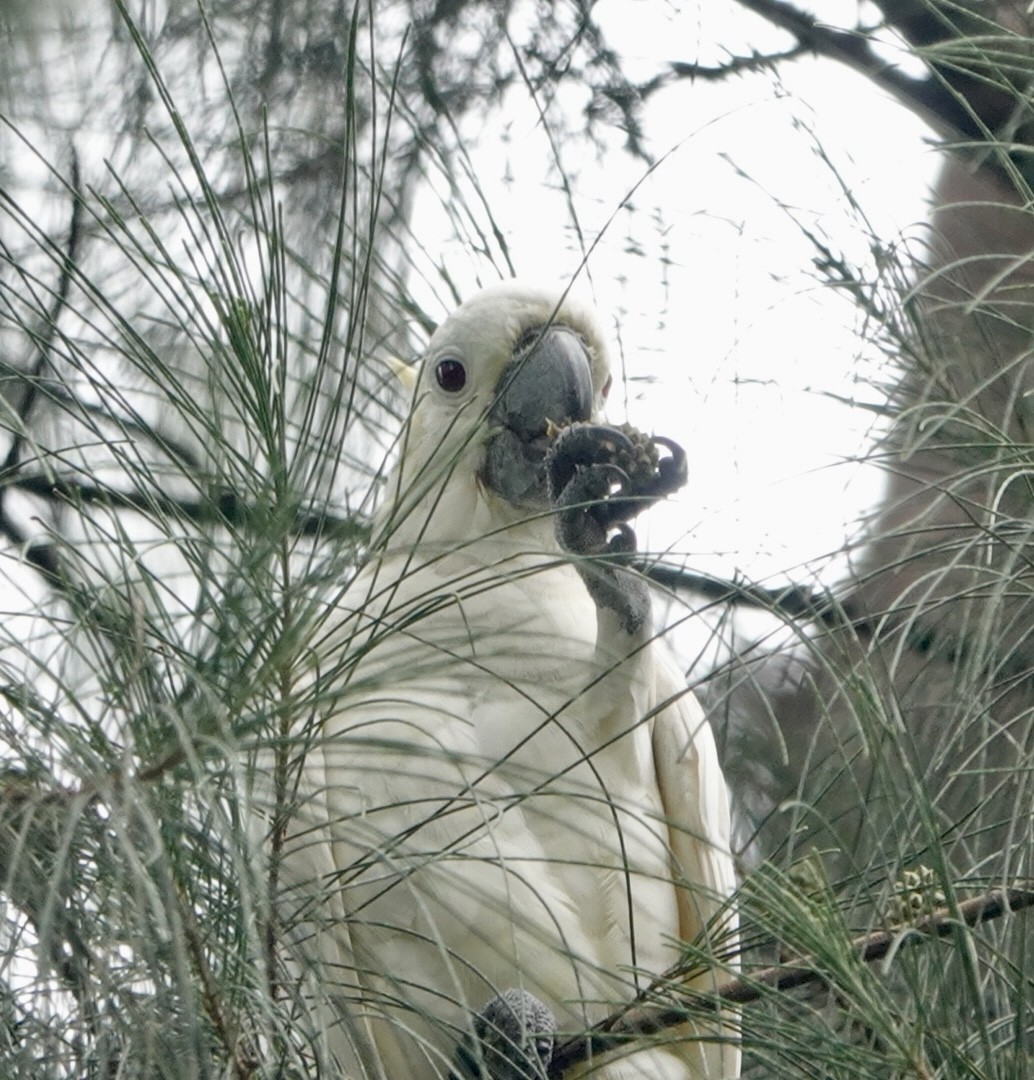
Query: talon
<point x="673" y="472"/>
<point x="579" y="445"/>
<point x="623" y="542"/>
<point x="617" y="475"/>
<point x="601" y="477"/>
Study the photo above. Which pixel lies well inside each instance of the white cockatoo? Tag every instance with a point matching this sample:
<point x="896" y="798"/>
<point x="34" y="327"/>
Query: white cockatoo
<point x="524" y="806"/>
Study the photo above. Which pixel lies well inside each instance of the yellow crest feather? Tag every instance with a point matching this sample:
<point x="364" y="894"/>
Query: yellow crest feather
<point x="405" y="373"/>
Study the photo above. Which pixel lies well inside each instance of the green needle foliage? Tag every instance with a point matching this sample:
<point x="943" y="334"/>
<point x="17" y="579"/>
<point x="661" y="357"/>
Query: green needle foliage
<point x="198" y="415"/>
<point x="198" y="445"/>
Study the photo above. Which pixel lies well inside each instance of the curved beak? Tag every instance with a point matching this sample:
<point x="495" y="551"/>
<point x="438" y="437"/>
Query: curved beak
<point x="547" y="384"/>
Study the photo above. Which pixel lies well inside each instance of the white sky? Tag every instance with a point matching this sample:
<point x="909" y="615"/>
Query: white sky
<point x="728" y="341"/>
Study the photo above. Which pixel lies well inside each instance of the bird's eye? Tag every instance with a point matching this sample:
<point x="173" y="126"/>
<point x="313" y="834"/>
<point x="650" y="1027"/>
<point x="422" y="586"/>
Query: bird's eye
<point x="451" y="375"/>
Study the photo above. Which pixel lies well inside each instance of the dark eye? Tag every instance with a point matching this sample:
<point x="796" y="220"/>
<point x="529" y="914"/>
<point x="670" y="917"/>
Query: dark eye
<point x="451" y="375"/>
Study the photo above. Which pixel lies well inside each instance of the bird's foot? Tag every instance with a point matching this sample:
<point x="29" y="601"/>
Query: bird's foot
<point x="600" y="477"/>
<point x="512" y="1039"/>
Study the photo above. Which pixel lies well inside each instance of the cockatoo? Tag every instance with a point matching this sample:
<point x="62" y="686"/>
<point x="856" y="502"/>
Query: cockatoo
<point x="525" y="809"/>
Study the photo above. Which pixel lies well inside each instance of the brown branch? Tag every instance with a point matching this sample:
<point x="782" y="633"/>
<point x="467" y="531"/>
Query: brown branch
<point x="931" y="99"/>
<point x="232" y="511"/>
<point x="788" y="601"/>
<point x="980" y="53"/>
<point x="640" y="1019"/>
<point x="223" y="507"/>
<point x="735" y="65"/>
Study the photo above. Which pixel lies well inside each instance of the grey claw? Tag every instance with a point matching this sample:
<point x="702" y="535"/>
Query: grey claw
<point x="623" y="542"/>
<point x="673" y="472"/>
<point x="600" y="478"/>
<point x="512" y="1040"/>
<point x="578" y="446"/>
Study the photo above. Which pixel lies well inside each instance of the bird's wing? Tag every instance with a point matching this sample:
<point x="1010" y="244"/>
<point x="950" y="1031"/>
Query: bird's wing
<point x="696" y="804"/>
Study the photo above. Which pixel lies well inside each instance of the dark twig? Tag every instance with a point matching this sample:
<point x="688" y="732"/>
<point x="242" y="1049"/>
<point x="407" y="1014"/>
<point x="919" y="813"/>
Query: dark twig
<point x="45" y="560"/>
<point x="64" y="285"/>
<point x="640" y="1019"/>
<point x="229" y="509"/>
<point x="735" y="65"/>
<point x="224" y="507"/>
<point x="929" y="98"/>
<point x="789" y="601"/>
<point x="42" y="557"/>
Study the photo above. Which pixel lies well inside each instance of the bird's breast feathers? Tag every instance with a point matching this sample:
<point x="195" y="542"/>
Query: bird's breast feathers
<point x="489" y="697"/>
<point x="492" y="707"/>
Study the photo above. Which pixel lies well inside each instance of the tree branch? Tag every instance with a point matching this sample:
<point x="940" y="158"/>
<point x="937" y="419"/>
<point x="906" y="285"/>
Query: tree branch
<point x="45" y="561"/>
<point x="223" y="507"/>
<point x="736" y="65"/>
<point x="64" y="285"/>
<point x="789" y="601"/>
<point x="229" y="509"/>
<point x="640" y="1019"/>
<point x="946" y="111"/>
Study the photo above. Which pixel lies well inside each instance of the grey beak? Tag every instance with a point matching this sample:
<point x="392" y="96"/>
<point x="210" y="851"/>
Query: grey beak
<point x="550" y="380"/>
<point x="553" y="381"/>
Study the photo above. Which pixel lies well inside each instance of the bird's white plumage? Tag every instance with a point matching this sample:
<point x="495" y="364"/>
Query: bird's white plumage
<point x="518" y="792"/>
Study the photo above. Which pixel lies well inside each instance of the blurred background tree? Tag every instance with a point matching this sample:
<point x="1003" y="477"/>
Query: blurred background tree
<point x="217" y="223"/>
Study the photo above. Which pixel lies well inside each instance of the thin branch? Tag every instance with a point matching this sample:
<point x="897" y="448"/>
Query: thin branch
<point x="64" y="285"/>
<point x="735" y="65"/>
<point x="638" y="1020"/>
<point x="229" y="509"/>
<point x="929" y="98"/>
<point x="789" y="601"/>
<point x="224" y="507"/>
<point x="42" y="557"/>
<point x="45" y="561"/>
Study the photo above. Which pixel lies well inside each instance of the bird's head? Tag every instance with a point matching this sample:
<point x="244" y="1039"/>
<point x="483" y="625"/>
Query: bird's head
<point x="505" y="370"/>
